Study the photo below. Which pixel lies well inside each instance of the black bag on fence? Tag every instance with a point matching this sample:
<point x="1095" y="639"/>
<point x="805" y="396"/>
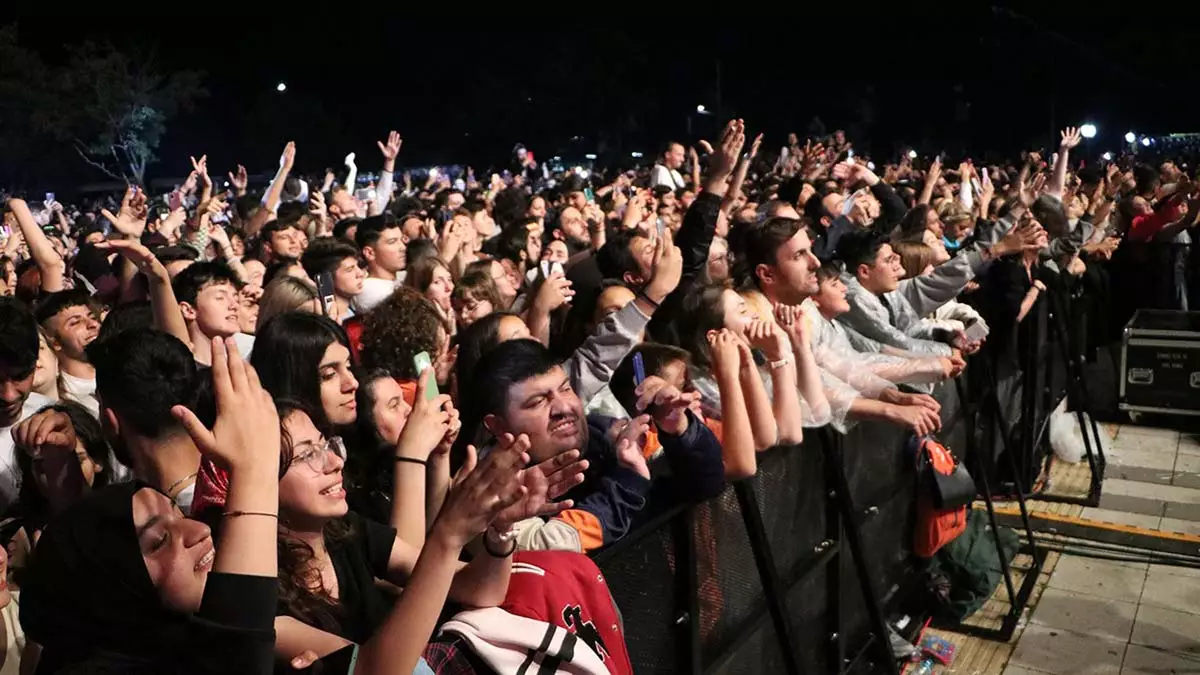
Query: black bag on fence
<point x="946" y="490"/>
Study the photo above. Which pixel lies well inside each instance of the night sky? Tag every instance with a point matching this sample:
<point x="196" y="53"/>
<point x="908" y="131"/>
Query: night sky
<point x="461" y="85"/>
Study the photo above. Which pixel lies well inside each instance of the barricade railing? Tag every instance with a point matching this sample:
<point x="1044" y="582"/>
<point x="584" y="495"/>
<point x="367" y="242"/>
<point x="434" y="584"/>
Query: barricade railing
<point x="797" y="569"/>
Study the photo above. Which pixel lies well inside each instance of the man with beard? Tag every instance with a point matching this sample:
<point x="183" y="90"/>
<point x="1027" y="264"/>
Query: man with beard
<point x="778" y="268"/>
<point x="18" y="360"/>
<point x="524" y="390"/>
<point x="71" y="324"/>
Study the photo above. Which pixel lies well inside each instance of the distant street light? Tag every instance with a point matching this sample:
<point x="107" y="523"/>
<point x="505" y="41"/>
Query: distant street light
<point x="912" y="154"/>
<point x="1130" y="137"/>
<point x="1146" y="141"/>
<point x="281" y="87"/>
<point x="636" y="155"/>
<point x="701" y="109"/>
<point x="1088" y="131"/>
<point x="590" y="155"/>
<point x="1107" y="156"/>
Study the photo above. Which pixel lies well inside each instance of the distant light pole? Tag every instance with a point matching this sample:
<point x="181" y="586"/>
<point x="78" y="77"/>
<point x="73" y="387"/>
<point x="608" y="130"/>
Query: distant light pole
<point x="281" y="87"/>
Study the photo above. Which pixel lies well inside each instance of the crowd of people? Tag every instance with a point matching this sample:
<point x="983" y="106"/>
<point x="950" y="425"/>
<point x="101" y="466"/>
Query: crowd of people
<point x="380" y="428"/>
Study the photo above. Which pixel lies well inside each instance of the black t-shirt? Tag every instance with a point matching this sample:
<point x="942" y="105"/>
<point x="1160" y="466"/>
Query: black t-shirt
<point x="358" y="562"/>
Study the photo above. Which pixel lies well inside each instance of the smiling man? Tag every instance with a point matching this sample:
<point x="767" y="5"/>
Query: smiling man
<point x="208" y="299"/>
<point x="523" y="389"/>
<point x="71" y="324"/>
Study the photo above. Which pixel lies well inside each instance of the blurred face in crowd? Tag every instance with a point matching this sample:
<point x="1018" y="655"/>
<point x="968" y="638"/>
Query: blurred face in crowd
<point x="884" y="273"/>
<point x="573" y="225"/>
<point x="388" y="252"/>
<point x="642" y="250"/>
<point x="556" y="252"/>
<point x="612" y="299"/>
<point x="344" y="204"/>
<point x="348" y="278"/>
<point x="411" y="228"/>
<point x="833" y="203"/>
<point x="237" y="245"/>
<point x="255" y="270"/>
<point x="686" y="199"/>
<point x="940" y="254"/>
<point x="454" y="200"/>
<point x="577" y="200"/>
<point x="545" y="408"/>
<point x="537" y="208"/>
<point x="792" y="140"/>
<point x="718" y="260"/>
<point x="793" y="276"/>
<point x="178" y="552"/>
<point x="310" y="492"/>
<point x="391" y="411"/>
<point x="470" y="309"/>
<point x="71" y="330"/>
<point x="512" y="328"/>
<point x="933" y="223"/>
<point x="15" y="386"/>
<point x="46" y="371"/>
<point x="286" y="244"/>
<point x="338" y="385"/>
<point x="440" y="287"/>
<point x="737" y="314"/>
<point x="831" y="299"/>
<point x="248" y="309"/>
<point x="485" y="226"/>
<point x="216" y="310"/>
<point x="506" y="280"/>
<point x="673" y="157"/>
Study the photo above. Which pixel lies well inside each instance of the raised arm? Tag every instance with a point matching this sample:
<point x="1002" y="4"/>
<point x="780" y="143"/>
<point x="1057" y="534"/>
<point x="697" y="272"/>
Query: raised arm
<point x="274" y="191"/>
<point x="51" y="264"/>
<point x="931" y="179"/>
<point x="737" y="438"/>
<point x="386" y="179"/>
<point x="1058" y="181"/>
<point x="427" y="424"/>
<point x="167" y="316"/>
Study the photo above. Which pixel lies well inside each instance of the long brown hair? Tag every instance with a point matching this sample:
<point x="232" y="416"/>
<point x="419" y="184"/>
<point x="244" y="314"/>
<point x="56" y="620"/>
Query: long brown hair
<point x="301" y="593"/>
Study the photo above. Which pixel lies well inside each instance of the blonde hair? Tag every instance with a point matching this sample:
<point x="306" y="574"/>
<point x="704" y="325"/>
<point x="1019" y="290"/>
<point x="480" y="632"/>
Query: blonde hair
<point x="285" y="293"/>
<point x="914" y="257"/>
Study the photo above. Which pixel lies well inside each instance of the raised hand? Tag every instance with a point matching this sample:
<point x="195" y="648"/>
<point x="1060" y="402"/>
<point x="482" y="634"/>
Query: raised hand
<point x="239" y="180"/>
<point x="131" y="218"/>
<point x="769" y="338"/>
<point x="724" y="353"/>
<point x="428" y="423"/>
<point x="316" y="207"/>
<point x="706" y="146"/>
<point x="48" y="438"/>
<point x="200" y="167"/>
<point x="288" y="159"/>
<point x="390" y="150"/>
<point x="141" y="257"/>
<point x="791" y="319"/>
<point x="554" y="292"/>
<point x="169" y="227"/>
<point x="482" y="490"/>
<point x="666" y="268"/>
<point x="246" y="433"/>
<point x="1026" y="236"/>
<point x="544" y="483"/>
<point x="733" y="137"/>
<point x="665" y="403"/>
<point x="755" y="146"/>
<point x="920" y="420"/>
<point x="1070" y="138"/>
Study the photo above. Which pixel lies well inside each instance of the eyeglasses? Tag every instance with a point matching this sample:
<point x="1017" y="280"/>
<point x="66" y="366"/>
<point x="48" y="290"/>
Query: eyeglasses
<point x="316" y="454"/>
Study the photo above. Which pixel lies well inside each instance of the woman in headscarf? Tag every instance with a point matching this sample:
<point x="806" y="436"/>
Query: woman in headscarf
<point x="121" y="582"/>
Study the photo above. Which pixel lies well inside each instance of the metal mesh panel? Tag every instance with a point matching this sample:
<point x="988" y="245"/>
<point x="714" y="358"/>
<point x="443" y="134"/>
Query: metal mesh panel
<point x="641" y="581"/>
<point x="759" y="654"/>
<point x="791" y="494"/>
<point x="726" y="605"/>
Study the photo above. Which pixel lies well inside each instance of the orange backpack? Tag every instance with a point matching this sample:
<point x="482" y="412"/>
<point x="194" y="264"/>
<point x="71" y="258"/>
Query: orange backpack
<point x="944" y="490"/>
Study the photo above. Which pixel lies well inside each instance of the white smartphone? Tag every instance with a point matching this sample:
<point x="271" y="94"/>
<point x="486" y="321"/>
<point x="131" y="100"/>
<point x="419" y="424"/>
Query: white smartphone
<point x="976" y="331"/>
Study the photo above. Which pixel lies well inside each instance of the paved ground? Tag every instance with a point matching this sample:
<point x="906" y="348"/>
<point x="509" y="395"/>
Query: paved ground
<point x="1097" y="616"/>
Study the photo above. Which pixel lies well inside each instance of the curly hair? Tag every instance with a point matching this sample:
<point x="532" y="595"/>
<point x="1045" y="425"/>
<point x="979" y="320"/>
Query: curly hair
<point x="399" y="328"/>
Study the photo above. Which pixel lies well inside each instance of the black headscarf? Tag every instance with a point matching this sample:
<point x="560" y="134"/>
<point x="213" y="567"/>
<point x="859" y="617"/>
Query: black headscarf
<point x="88" y="598"/>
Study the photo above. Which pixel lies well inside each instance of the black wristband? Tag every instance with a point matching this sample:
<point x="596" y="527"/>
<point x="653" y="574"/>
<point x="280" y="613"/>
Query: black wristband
<point x="642" y="295"/>
<point x="410" y="460"/>
<point x="511" y="549"/>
